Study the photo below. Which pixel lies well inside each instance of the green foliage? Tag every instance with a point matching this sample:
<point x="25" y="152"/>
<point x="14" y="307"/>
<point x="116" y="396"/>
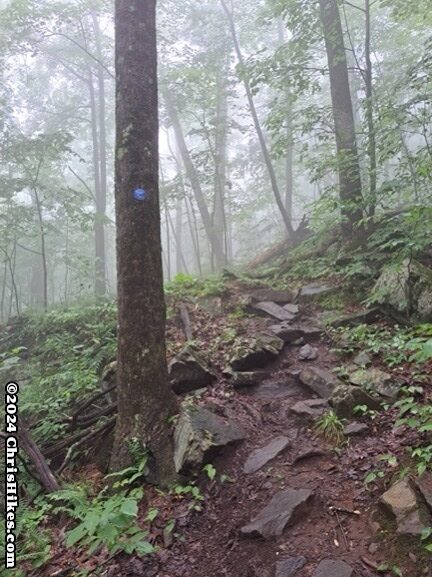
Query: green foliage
<point x="67" y="349"/>
<point x="331" y="427"/>
<point x="185" y="285"/>
<point x="33" y="538"/>
<point x="103" y="521"/>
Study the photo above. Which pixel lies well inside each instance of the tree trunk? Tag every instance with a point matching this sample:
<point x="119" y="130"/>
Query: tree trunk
<point x="46" y="476"/>
<point x="371" y="148"/>
<point x="101" y="198"/>
<point x="219" y="217"/>
<point x="178" y="235"/>
<point x="43" y="248"/>
<point x="145" y="400"/>
<point x="259" y="131"/>
<point x="349" y="169"/>
<point x="289" y="155"/>
<point x="216" y="245"/>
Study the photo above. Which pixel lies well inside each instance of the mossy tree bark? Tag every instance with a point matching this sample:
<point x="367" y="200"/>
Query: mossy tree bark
<point x="145" y="401"/>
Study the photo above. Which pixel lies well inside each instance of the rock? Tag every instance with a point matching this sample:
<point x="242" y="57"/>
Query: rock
<point x="397" y="282"/>
<point x="276" y="296"/>
<point x="346" y="397"/>
<point x="290" y="333"/>
<point x="355" y="429"/>
<point x="189" y="371"/>
<point x="283" y="508"/>
<point x="312" y="408"/>
<point x="366" y="317"/>
<point x="333" y="568"/>
<point x="293" y="309"/>
<point x="306" y="454"/>
<point x="287" y="567"/>
<point x="424" y="485"/>
<point x="321" y="381"/>
<point x="247" y="379"/>
<point x="260" y="457"/>
<point x="277" y="390"/>
<point x="308" y="353"/>
<point x="363" y="359"/>
<point x="376" y="381"/>
<point x="262" y="351"/>
<point x="401" y="502"/>
<point x="198" y="431"/>
<point x="274" y="310"/>
<point x="315" y="290"/>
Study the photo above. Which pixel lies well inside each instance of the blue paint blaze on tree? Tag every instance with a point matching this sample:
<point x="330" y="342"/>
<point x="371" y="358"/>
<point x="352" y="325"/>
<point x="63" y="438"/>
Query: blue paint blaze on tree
<point x="140" y="194"/>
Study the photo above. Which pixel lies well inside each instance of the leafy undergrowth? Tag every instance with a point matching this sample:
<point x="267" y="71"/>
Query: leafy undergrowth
<point x="95" y="519"/>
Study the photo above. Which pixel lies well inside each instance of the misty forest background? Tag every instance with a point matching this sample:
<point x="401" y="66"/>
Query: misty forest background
<point x="218" y="203"/>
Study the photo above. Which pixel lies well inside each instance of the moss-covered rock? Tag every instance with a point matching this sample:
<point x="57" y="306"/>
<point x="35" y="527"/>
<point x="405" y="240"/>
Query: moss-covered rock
<point x="405" y="288"/>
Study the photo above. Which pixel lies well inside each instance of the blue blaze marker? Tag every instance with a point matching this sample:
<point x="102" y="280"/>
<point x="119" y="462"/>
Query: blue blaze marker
<point x="140" y="194"/>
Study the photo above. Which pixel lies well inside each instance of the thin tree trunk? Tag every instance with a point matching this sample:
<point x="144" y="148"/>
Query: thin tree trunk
<point x="289" y="155"/>
<point x="3" y="293"/>
<point x="168" y="241"/>
<point x="181" y="262"/>
<point x="43" y="248"/>
<point x="146" y="403"/>
<point x="101" y="198"/>
<point x="194" y="239"/>
<point x="348" y="160"/>
<point x="370" y="115"/>
<point x="178" y="236"/>
<point x="216" y="245"/>
<point x="219" y="217"/>
<point x="265" y="152"/>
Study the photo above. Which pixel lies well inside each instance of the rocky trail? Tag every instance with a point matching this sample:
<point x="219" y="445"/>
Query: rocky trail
<point x="282" y="501"/>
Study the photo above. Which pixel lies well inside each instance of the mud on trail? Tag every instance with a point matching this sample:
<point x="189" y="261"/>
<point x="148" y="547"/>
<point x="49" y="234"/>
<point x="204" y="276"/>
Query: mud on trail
<point x="283" y="501"/>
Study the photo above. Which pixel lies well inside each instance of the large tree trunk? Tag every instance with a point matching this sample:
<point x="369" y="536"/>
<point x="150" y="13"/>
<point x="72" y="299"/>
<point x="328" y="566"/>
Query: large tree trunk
<point x="145" y="401"/>
<point x="214" y="240"/>
<point x="264" y="150"/>
<point x="349" y="169"/>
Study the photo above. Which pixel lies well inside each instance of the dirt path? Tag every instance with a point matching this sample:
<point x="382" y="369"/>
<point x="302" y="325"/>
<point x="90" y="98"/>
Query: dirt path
<point x="336" y="525"/>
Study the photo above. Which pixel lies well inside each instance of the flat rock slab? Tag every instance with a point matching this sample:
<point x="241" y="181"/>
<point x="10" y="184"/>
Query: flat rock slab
<point x="274" y="310"/>
<point x="378" y="381"/>
<point x="355" y="429"/>
<point x="311" y="408"/>
<point x="276" y="390"/>
<point x="320" y="381"/>
<point x="288" y="567"/>
<point x="401" y="501"/>
<point x="333" y="568"/>
<point x="312" y="291"/>
<point x="268" y="294"/>
<point x="260" y="457"/>
<point x="281" y="510"/>
<point x="365" y="317"/>
<point x="291" y="308"/>
<point x="290" y="333"/>
<point x="424" y="485"/>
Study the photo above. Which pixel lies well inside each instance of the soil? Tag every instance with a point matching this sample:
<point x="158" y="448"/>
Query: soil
<point x="341" y="523"/>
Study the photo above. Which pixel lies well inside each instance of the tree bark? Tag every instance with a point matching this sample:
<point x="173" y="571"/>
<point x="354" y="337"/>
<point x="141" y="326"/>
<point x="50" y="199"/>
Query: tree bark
<point x="101" y="198"/>
<point x="145" y="400"/>
<point x="264" y="150"/>
<point x="371" y="148"/>
<point x="350" y="188"/>
<point x="46" y="476"/>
